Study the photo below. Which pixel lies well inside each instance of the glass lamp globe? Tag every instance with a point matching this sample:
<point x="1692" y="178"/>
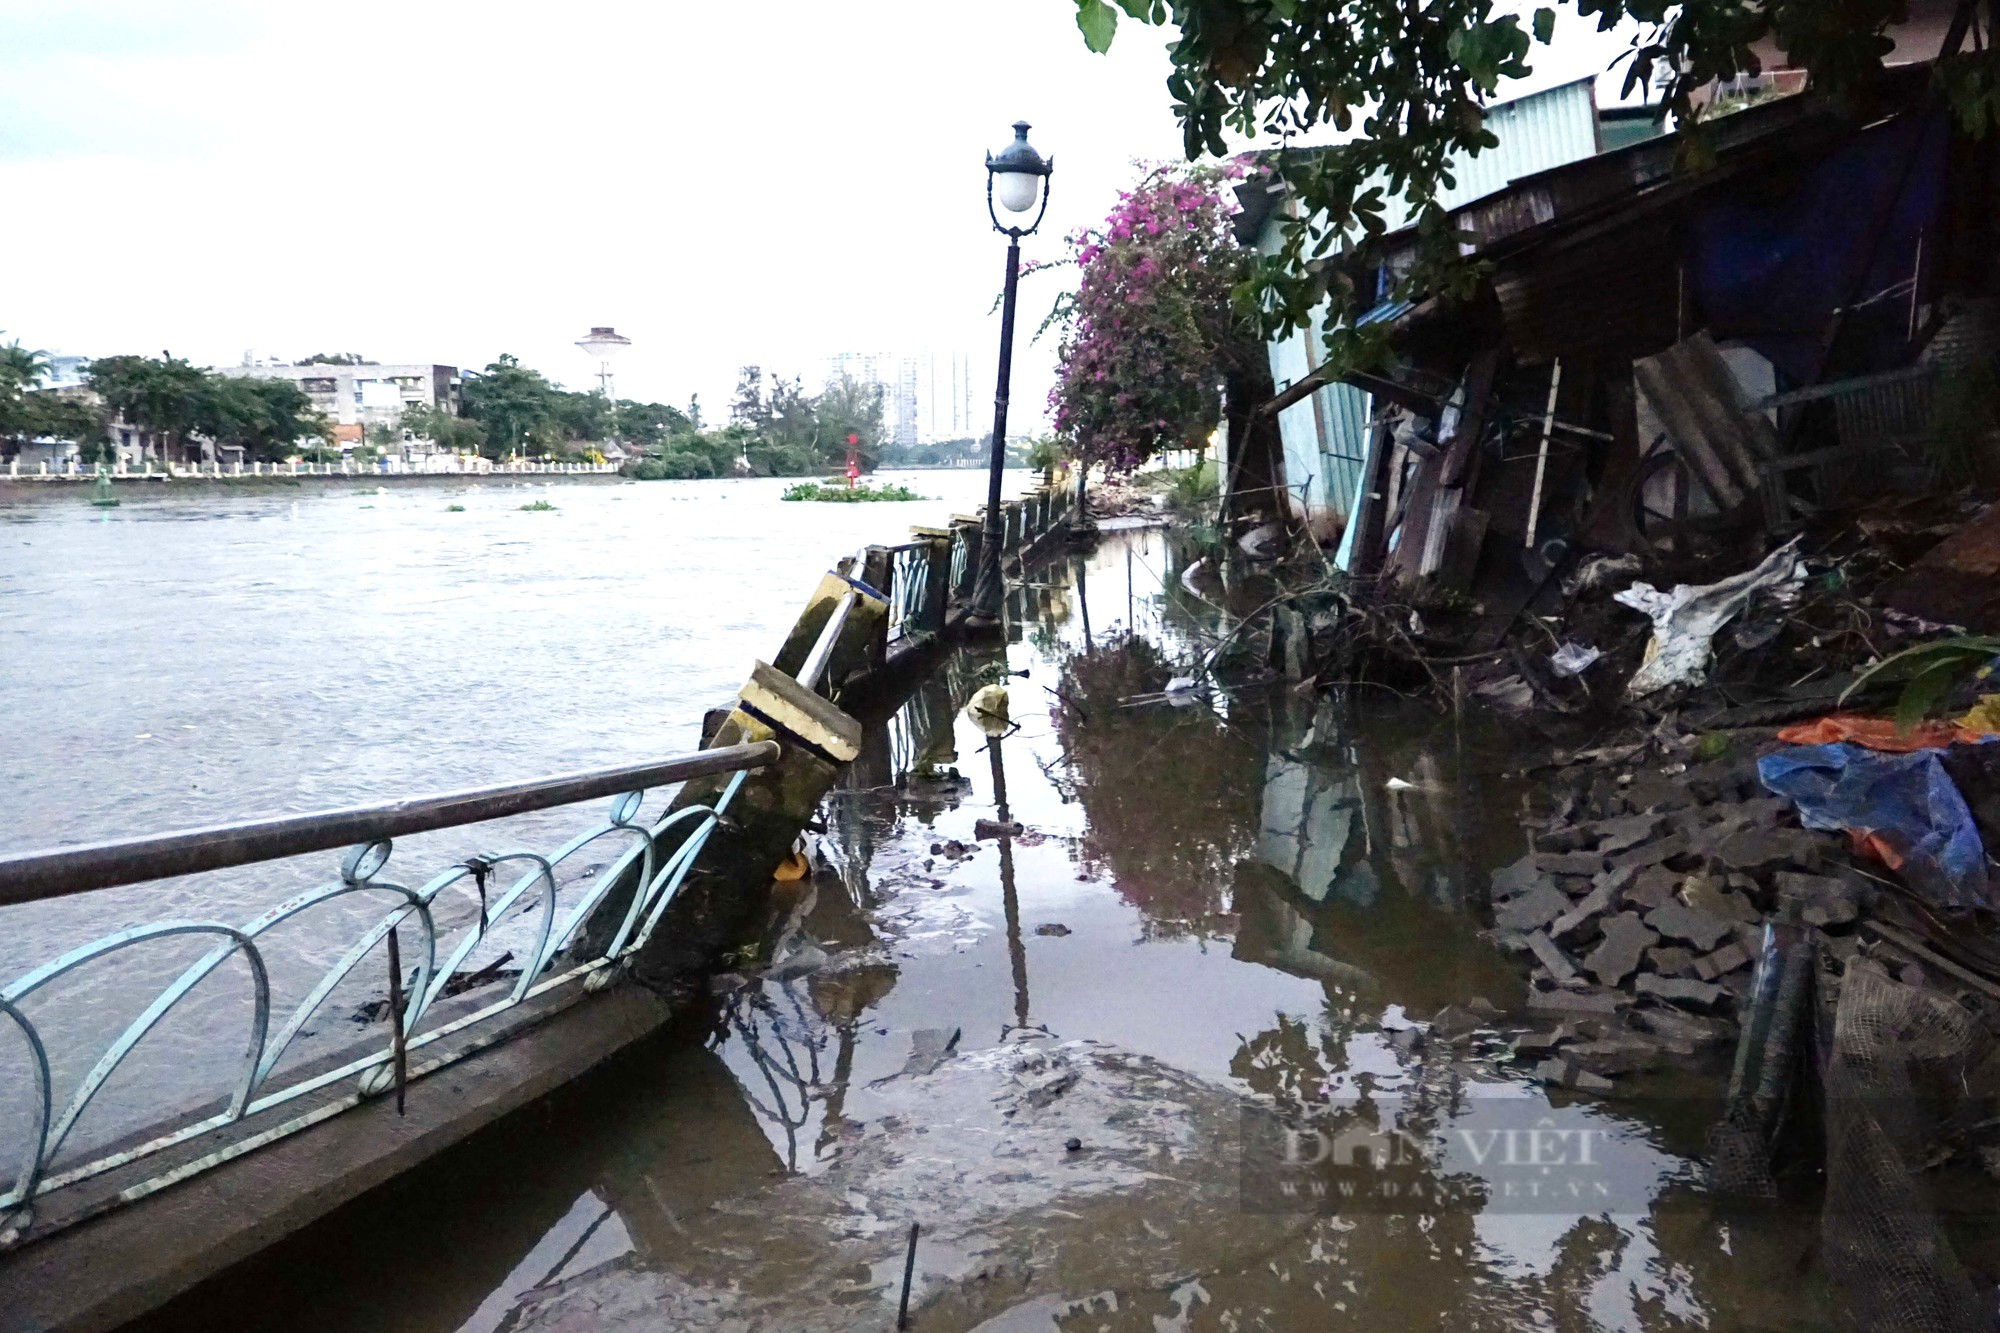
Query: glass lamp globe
<point x="1015" y="191"/>
<point x="1018" y="171"/>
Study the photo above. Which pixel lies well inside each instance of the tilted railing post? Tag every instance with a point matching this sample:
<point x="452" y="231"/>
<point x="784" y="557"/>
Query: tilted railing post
<point x="878" y="571"/>
<point x="937" y="577"/>
<point x="966" y="534"/>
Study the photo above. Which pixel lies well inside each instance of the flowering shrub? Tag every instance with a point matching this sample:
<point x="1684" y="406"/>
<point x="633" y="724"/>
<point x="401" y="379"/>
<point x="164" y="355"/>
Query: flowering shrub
<point x="1150" y="328"/>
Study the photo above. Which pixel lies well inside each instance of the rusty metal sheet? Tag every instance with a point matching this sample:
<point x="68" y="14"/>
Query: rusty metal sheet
<point x="1707" y="422"/>
<point x="1958" y="582"/>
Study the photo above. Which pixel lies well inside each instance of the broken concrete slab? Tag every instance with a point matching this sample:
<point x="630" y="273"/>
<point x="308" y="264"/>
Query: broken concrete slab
<point x="1677" y="1026"/>
<point x="1722" y="962"/>
<point x="1532" y="910"/>
<point x="1623" y="1053"/>
<point x="1565" y="1073"/>
<point x="1575" y="1001"/>
<point x="1755" y="849"/>
<point x="1452" y="1022"/>
<point x="1551" y="957"/>
<point x="1652" y="887"/>
<point x="1598" y="901"/>
<point x="1670" y="960"/>
<point x="1823" y="900"/>
<point x="1543" y="1043"/>
<point x="1626" y="938"/>
<point x="1512" y="880"/>
<point x="1616" y="835"/>
<point x="1651" y="853"/>
<point x="1705" y="893"/>
<point x="1572" y="863"/>
<point x="1677" y="920"/>
<point x="1656" y="792"/>
<point x="1679" y="990"/>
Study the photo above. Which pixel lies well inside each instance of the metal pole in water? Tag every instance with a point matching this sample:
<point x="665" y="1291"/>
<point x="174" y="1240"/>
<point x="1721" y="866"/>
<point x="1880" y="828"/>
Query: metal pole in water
<point x="909" y="1271"/>
<point x="396" y="1017"/>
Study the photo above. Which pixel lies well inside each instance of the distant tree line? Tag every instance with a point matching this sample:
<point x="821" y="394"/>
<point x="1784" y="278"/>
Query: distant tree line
<point x="30" y="412"/>
<point x="164" y="397"/>
<point x="775" y="427"/>
<point x="966" y="451"/>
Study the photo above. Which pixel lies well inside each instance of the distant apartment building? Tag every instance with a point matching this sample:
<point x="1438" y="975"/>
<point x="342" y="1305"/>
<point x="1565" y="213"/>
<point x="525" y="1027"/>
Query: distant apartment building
<point x="909" y="414"/>
<point x="354" y="398"/>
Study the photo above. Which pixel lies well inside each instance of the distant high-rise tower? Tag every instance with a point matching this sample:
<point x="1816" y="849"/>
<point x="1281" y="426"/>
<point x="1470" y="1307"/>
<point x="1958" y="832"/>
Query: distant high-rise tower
<point x="903" y="403"/>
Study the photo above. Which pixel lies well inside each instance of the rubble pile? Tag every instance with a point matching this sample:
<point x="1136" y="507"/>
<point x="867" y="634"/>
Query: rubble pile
<point x="1641" y="909"/>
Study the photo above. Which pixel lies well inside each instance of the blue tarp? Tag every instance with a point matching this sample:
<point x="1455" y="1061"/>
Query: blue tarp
<point x="1772" y="272"/>
<point x="1907" y="800"/>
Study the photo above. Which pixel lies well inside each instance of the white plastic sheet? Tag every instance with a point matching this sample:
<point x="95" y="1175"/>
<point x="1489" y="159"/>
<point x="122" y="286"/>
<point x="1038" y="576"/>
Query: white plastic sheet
<point x="1686" y="619"/>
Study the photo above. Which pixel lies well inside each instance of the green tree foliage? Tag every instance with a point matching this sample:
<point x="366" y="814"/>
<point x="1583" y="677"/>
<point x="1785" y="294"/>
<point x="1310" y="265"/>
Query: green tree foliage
<point x="167" y="396"/>
<point x="267" y="418"/>
<point x="516" y="409"/>
<point x="20" y="371"/>
<point x="696" y="454"/>
<point x="746" y="405"/>
<point x="514" y="405"/>
<point x="438" y="425"/>
<point x="651" y="425"/>
<point x="787" y="432"/>
<point x="1409" y="83"/>
<point x="28" y="412"/>
<point x="159" y="395"/>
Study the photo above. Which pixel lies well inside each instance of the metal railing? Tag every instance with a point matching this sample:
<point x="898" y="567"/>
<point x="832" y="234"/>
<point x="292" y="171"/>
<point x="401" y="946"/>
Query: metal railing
<point x="909" y="587"/>
<point x="661" y="864"/>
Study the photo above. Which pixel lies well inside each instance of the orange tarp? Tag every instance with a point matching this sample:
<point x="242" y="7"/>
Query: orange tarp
<point x="1879" y="733"/>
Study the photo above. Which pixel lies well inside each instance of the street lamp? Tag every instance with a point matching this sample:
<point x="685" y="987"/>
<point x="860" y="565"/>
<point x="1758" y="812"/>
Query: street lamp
<point x="1017" y="179"/>
<point x="605" y="343"/>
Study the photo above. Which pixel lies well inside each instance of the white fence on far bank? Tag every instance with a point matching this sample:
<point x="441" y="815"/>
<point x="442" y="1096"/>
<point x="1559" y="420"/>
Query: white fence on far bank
<point x="438" y="466"/>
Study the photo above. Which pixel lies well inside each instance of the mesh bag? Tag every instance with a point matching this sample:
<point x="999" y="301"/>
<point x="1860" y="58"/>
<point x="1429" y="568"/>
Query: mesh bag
<point x="1885" y="1249"/>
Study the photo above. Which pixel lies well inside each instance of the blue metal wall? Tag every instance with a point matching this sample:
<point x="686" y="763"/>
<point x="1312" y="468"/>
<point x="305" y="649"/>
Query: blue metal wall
<point x="1326" y="435"/>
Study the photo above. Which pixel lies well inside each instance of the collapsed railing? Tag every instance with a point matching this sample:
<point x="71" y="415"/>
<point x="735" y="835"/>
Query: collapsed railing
<point x="366" y="832"/>
<point x="940" y="565"/>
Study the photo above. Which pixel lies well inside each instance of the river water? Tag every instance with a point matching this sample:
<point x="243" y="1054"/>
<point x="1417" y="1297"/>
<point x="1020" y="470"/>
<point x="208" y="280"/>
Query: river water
<point x="1215" y="913"/>
<point x="210" y="652"/>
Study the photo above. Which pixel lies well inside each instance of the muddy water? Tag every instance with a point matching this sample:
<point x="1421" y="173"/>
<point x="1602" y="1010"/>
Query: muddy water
<point x="206" y="653"/>
<point x="1221" y="920"/>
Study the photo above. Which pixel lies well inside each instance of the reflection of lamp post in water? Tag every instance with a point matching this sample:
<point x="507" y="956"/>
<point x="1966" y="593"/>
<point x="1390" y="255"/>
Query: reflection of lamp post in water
<point x="1017" y="953"/>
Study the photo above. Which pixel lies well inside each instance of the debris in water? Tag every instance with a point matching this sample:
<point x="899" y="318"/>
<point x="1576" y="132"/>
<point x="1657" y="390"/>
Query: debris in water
<point x="987" y="709"/>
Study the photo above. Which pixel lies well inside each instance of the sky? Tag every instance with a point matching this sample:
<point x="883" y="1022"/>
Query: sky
<point x="436" y="180"/>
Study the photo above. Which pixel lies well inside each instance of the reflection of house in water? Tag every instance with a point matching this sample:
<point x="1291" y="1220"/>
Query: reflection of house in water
<point x="1312" y="819"/>
<point x="1371" y="886"/>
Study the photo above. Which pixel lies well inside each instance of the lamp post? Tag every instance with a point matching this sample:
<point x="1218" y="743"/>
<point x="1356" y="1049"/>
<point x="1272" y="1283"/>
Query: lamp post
<point x="605" y="343"/>
<point x="1017" y="178"/>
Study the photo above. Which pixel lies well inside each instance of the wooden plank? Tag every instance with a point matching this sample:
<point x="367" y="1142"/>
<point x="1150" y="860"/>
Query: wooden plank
<point x="1462" y="455"/>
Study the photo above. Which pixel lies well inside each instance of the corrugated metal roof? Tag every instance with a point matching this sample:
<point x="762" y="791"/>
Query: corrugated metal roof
<point x="1544" y="130"/>
<point x="1541" y="131"/>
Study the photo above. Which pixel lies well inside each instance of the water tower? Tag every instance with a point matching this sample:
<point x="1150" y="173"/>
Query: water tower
<point x="604" y="344"/>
